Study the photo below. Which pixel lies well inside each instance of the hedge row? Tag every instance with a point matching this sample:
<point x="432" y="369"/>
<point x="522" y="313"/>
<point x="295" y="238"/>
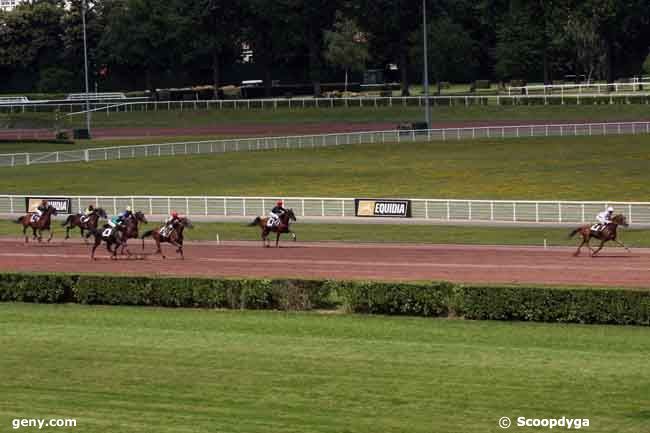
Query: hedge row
<point x="438" y="299"/>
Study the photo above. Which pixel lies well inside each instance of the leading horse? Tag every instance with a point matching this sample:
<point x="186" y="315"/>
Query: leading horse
<point x="42" y="223"/>
<point x="605" y="234"/>
<point x="283" y="227"/>
<point x="84" y="223"/>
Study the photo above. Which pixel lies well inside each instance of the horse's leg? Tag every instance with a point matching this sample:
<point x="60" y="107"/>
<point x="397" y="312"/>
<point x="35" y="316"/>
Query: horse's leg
<point x="67" y="233"/>
<point x="51" y="234"/>
<point x="25" y="234"/>
<point x="97" y="242"/>
<point x="277" y="240"/>
<point x="293" y="235"/>
<point x="159" y="250"/>
<point x="600" y="247"/>
<point x="622" y="245"/>
<point x="40" y="235"/>
<point x="577" y="253"/>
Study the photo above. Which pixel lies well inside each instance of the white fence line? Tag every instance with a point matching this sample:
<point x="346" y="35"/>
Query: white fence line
<point x="322" y="140"/>
<point x="572" y="89"/>
<point x="362" y="101"/>
<point x="434" y="210"/>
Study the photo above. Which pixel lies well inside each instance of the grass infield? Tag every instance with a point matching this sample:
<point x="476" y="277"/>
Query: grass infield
<point x="120" y="370"/>
<point x="613" y="168"/>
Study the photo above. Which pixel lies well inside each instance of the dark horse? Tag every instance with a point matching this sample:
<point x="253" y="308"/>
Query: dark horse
<point x="608" y="233"/>
<point x="43" y="223"/>
<point x="84" y="223"/>
<point x="130" y="228"/>
<point x="174" y="237"/>
<point x="283" y="227"/>
<point x="113" y="237"/>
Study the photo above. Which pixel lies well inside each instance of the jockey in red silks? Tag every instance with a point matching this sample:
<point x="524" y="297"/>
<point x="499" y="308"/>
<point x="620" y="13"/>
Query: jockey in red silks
<point x="276" y="213"/>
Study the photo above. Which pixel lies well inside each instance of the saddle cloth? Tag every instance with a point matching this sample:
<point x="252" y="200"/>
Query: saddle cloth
<point x="34" y="218"/>
<point x="165" y="231"/>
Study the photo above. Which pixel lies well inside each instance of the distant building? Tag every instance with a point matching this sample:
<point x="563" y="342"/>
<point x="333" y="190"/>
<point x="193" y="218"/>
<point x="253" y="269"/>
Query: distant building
<point x="7" y="5"/>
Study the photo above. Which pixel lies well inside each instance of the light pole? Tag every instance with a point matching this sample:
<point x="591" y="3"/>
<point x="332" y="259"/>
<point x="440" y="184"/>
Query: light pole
<point x="83" y="21"/>
<point x="427" y="107"/>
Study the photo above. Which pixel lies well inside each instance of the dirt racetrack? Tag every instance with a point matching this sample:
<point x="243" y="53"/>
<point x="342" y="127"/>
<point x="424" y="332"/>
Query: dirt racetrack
<point x="471" y="264"/>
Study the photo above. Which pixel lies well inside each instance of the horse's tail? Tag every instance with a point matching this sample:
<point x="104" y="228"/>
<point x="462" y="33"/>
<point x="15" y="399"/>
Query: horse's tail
<point x="67" y="221"/>
<point x="19" y="220"/>
<point x="255" y="222"/>
<point x="573" y="233"/>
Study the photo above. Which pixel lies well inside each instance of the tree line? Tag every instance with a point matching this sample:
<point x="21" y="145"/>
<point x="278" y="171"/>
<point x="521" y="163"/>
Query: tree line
<point x="144" y="44"/>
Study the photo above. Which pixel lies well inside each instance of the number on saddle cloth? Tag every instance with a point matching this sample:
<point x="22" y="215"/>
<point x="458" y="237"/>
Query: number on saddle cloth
<point x="35" y="218"/>
<point x="83" y="219"/>
<point x="107" y="232"/>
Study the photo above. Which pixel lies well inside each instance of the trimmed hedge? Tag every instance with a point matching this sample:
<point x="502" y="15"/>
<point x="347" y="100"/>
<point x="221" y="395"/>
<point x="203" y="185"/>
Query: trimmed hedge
<point x="435" y="299"/>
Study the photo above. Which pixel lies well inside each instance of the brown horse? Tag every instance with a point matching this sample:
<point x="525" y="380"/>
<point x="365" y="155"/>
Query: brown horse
<point x="130" y="229"/>
<point x="113" y="237"/>
<point x="174" y="237"/>
<point x="84" y="223"/>
<point x="283" y="227"/>
<point x="608" y="233"/>
<point x="42" y="223"/>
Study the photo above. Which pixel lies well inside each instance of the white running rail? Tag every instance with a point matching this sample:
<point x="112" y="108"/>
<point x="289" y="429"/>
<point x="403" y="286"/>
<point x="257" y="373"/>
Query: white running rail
<point x="322" y="140"/>
<point x="514" y="98"/>
<point x="487" y="212"/>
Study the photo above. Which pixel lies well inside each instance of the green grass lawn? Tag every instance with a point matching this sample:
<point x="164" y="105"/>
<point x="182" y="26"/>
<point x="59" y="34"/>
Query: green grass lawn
<point x="395" y="114"/>
<point x="584" y="168"/>
<point x="425" y="234"/>
<point x="128" y="370"/>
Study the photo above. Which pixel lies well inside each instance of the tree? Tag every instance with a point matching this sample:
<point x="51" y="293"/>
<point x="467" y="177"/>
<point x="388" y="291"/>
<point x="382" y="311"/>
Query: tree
<point x="520" y="45"/>
<point x="389" y="25"/>
<point x="144" y="36"/>
<point x="31" y="40"/>
<point x="646" y="65"/>
<point x="346" y="46"/>
<point x="215" y="26"/>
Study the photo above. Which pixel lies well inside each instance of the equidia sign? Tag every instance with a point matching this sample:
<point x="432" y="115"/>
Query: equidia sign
<point x="382" y="208"/>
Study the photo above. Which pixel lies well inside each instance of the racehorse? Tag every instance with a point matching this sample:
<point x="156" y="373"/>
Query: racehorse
<point x="130" y="228"/>
<point x="42" y="223"/>
<point x="84" y="223"/>
<point x="283" y="227"/>
<point x="111" y="236"/>
<point x="174" y="237"/>
<point x="608" y="233"/>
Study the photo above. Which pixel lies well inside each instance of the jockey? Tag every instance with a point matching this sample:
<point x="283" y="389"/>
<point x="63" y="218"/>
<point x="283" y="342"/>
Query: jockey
<point x="169" y="224"/>
<point x="276" y="213"/>
<point x="40" y="210"/>
<point x="605" y="217"/>
<point x="89" y="210"/>
<point x="120" y="218"/>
